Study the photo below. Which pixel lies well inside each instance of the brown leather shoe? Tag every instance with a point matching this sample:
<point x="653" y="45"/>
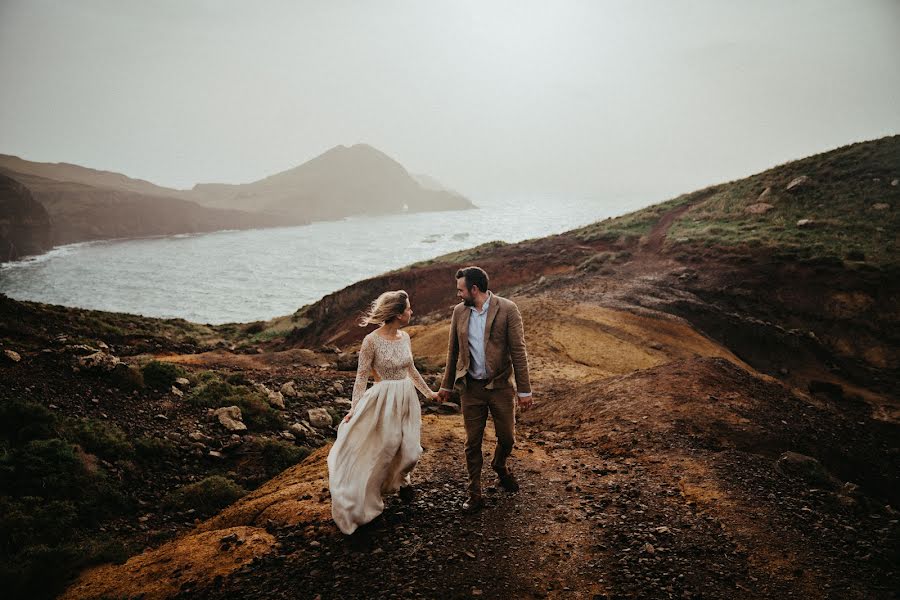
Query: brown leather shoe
<point x="473" y="504"/>
<point x="508" y="482"/>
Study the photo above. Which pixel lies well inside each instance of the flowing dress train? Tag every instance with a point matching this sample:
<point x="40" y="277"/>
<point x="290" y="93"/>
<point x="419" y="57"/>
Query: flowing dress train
<point x="377" y="449"/>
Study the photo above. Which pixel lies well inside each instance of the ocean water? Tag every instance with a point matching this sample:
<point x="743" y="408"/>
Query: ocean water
<point x="241" y="276"/>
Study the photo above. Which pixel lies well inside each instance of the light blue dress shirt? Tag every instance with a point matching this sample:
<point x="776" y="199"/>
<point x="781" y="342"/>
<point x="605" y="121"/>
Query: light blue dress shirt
<point x="477" y="321"/>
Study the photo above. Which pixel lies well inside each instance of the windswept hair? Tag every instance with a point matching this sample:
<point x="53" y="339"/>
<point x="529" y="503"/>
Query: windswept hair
<point x="385" y="308"/>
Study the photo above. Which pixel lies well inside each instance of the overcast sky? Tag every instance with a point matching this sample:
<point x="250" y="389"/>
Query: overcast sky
<point x="592" y="98"/>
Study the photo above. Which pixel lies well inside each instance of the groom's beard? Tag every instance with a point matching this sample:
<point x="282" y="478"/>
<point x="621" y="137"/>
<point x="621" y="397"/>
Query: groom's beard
<point x="469" y="301"/>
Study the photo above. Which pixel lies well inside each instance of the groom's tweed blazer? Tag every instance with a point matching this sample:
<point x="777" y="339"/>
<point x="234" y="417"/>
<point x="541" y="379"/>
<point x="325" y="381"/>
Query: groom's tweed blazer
<point x="504" y="347"/>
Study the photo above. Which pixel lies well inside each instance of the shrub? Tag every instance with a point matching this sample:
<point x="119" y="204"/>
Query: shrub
<point x="276" y="455"/>
<point x="24" y="420"/>
<point x="255" y="409"/>
<point x="128" y="377"/>
<point x="206" y="496"/>
<point x="148" y="448"/>
<point x="99" y="437"/>
<point x="161" y="375"/>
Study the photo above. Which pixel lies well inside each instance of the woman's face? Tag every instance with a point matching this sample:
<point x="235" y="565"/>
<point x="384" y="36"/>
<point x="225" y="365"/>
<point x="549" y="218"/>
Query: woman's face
<point x="407" y="314"/>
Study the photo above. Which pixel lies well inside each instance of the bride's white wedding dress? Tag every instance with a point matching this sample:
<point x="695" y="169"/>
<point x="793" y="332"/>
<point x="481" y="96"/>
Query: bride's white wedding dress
<point x="379" y="446"/>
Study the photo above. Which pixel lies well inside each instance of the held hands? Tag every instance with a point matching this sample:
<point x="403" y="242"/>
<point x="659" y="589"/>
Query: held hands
<point x="443" y="396"/>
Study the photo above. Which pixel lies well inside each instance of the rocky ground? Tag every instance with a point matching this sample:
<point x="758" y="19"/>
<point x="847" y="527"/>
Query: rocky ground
<point x="667" y="455"/>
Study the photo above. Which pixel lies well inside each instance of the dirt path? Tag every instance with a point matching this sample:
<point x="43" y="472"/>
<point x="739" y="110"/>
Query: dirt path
<point x="654" y="240"/>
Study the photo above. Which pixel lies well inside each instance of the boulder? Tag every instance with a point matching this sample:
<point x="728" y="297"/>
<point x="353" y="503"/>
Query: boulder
<point x="274" y="398"/>
<point x="289" y="390"/>
<point x="797" y="183"/>
<point x="806" y="468"/>
<point x="765" y="195"/>
<point x="182" y="382"/>
<point x="98" y="360"/>
<point x="760" y="208"/>
<point x="319" y="418"/>
<point x="230" y="417"/>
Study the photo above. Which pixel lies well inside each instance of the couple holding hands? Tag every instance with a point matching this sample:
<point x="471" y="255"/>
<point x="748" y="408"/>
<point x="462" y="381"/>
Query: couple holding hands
<point x="378" y="442"/>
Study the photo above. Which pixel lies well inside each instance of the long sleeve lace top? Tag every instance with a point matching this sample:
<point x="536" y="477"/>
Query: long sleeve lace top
<point x="391" y="359"/>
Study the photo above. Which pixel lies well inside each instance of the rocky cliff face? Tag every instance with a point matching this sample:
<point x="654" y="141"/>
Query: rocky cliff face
<point x="24" y="224"/>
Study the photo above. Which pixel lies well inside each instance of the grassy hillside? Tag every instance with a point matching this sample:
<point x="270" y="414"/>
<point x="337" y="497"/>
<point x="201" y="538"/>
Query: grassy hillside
<point x="849" y="197"/>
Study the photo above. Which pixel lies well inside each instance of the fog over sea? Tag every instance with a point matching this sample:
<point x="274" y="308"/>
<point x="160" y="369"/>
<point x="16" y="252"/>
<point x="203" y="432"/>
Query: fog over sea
<point x="241" y="276"/>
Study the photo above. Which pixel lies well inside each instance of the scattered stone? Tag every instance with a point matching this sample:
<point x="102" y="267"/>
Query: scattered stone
<point x="895" y="182"/>
<point x="338" y="387"/>
<point x="289" y="390"/>
<point x="797" y="183"/>
<point x="216" y="454"/>
<point x="300" y="430"/>
<point x="12" y="355"/>
<point x="881" y="206"/>
<point x="161" y="417"/>
<point x="199" y="436"/>
<point x="177" y="392"/>
<point x="98" y="360"/>
<point x="760" y="208"/>
<point x="182" y="382"/>
<point x="230" y="418"/>
<point x="319" y="418"/>
<point x="274" y="398"/>
<point x="802" y="223"/>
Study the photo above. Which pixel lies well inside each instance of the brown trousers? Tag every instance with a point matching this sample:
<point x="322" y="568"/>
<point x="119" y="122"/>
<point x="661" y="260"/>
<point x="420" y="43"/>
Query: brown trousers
<point x="476" y="403"/>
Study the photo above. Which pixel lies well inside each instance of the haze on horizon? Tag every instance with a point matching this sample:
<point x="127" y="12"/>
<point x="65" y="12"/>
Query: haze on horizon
<point x="591" y="99"/>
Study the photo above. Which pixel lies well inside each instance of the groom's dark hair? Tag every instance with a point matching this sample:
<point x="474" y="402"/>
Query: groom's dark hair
<point x="474" y="276"/>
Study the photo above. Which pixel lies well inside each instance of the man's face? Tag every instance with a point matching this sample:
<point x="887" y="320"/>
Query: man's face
<point x="464" y="294"/>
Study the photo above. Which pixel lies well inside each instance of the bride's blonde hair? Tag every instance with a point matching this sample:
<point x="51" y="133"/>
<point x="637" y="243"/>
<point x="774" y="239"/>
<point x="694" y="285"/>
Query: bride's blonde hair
<point x="385" y="308"/>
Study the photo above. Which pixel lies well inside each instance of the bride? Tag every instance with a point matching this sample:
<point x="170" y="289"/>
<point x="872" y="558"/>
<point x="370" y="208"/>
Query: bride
<point x="377" y="443"/>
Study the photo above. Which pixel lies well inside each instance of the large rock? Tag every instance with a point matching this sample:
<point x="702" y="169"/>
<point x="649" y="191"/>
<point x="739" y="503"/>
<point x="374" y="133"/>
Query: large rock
<point x="759" y="208"/>
<point x="797" y="183"/>
<point x="807" y="468"/>
<point x="100" y="360"/>
<point x="319" y="418"/>
<point x="230" y="417"/>
<point x="274" y="398"/>
<point x="289" y="390"/>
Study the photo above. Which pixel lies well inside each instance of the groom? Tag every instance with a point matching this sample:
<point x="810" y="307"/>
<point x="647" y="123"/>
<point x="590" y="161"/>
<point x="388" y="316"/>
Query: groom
<point x="487" y="343"/>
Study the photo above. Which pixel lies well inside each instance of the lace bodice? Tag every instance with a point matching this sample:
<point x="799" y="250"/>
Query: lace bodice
<point x="391" y="359"/>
